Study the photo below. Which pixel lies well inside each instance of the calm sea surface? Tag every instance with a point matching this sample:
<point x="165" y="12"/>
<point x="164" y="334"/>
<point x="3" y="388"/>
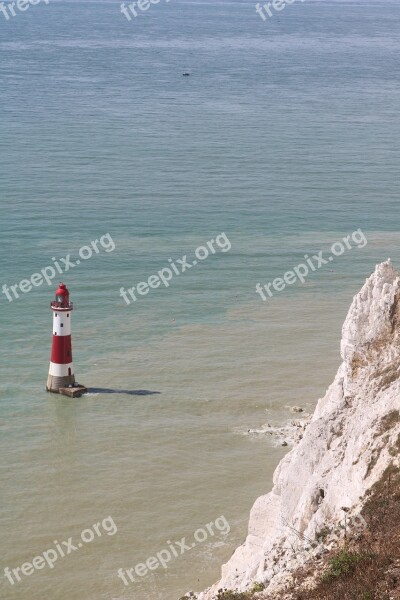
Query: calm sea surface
<point x="286" y="138"/>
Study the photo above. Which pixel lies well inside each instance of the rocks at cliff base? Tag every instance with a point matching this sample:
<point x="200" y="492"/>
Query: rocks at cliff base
<point x="286" y="435"/>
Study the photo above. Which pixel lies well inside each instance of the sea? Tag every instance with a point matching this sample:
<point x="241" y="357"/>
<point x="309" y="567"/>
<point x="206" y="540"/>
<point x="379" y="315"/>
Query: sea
<point x="281" y="142"/>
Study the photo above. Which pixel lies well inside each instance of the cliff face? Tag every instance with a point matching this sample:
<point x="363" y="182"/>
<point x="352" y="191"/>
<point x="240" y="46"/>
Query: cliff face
<point x="350" y="441"/>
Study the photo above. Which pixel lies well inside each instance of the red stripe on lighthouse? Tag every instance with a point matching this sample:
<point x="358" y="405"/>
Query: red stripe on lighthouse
<point x="61" y="350"/>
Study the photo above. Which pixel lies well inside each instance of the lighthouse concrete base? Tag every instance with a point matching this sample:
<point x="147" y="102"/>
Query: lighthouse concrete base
<point x="74" y="392"/>
<point x="54" y="382"/>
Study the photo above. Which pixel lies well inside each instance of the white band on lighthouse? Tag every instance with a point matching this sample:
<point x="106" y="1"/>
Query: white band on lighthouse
<point x="61" y="323"/>
<point x="61" y="370"/>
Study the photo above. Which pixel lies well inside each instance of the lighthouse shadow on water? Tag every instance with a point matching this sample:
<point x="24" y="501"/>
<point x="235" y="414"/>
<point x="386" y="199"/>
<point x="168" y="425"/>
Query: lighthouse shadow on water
<point x="129" y="392"/>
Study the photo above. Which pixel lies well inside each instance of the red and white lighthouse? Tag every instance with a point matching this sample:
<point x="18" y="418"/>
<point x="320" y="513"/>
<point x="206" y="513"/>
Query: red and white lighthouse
<point x="61" y="372"/>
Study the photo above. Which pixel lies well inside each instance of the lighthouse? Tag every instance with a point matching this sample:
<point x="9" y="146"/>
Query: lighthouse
<point x="61" y="377"/>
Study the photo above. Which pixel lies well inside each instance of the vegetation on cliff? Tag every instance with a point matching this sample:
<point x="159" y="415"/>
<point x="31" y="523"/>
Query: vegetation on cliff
<point x="365" y="566"/>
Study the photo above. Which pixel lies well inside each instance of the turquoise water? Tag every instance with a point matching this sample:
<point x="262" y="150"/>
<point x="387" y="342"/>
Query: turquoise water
<point x="285" y="137"/>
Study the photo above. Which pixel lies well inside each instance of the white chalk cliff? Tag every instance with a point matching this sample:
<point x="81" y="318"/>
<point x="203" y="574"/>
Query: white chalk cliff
<point x="345" y="449"/>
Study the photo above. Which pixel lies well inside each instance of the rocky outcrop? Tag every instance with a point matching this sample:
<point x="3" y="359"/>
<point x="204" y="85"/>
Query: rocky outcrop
<point x="350" y="440"/>
<point x="286" y="435"/>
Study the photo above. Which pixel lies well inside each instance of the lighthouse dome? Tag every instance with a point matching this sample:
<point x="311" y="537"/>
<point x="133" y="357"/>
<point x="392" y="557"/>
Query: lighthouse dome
<point x="62" y="290"/>
<point x="62" y="297"/>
